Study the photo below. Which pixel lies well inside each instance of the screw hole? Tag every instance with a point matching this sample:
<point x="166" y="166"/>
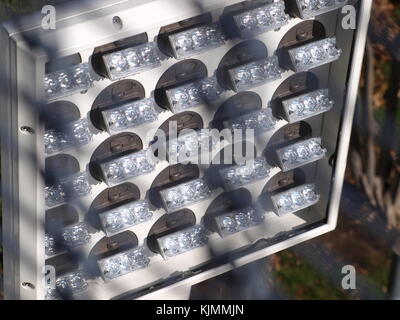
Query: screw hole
<point x="117" y="22"/>
<point x="28" y="286"/>
<point x="27" y="130"/>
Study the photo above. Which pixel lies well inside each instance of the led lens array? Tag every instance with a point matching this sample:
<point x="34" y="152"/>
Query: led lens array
<point x="123" y="263"/>
<point x="260" y="121"/>
<point x="311" y="8"/>
<point x="126" y="216"/>
<point x="295" y="199"/>
<point x="185" y="194"/>
<point x="72" y="236"/>
<point x="71" y="135"/>
<point x="70" y="283"/>
<point x="72" y="187"/>
<point x="196" y="40"/>
<point x="300" y="154"/>
<point x="131" y="61"/>
<point x="253" y="170"/>
<point x="182" y="241"/>
<point x="66" y="82"/>
<point x="239" y="220"/>
<point x="255" y="73"/>
<point x="315" y="54"/>
<point x="194" y="94"/>
<point x="130" y="115"/>
<point x="307" y="105"/>
<point x="262" y="19"/>
<point x="189" y="146"/>
<point x="127" y="167"/>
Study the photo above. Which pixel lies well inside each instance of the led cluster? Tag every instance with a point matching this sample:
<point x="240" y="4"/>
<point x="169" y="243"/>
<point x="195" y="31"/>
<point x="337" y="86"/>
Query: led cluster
<point x="260" y="121"/>
<point x="262" y="19"/>
<point x="193" y="94"/>
<point x="189" y="146"/>
<point x="72" y="236"/>
<point x="252" y="170"/>
<point x="71" y="135"/>
<point x="185" y="194"/>
<point x="182" y="241"/>
<point x="311" y="8"/>
<point x="315" y="54"/>
<point x="295" y="199"/>
<point x="123" y="263"/>
<point x="300" y="154"/>
<point x="255" y="73"/>
<point x="129" y="166"/>
<point x="125" y="216"/>
<point x="196" y="40"/>
<point x="307" y="105"/>
<point x="70" y="283"/>
<point x="72" y="187"/>
<point x="130" y="115"/>
<point x="68" y="81"/>
<point x="237" y="221"/>
<point x="131" y="61"/>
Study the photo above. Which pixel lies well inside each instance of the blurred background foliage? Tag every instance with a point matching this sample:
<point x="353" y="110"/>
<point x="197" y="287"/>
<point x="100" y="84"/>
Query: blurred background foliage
<point x="313" y="270"/>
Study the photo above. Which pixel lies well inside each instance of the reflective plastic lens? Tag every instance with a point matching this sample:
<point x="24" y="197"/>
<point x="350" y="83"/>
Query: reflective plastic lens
<point x="66" y="82"/>
<point x="311" y="8"/>
<point x="123" y="263"/>
<point x="126" y="216"/>
<point x="295" y="199"/>
<point x="72" y="237"/>
<point x="307" y="105"/>
<point x="72" y="187"/>
<point x="70" y="283"/>
<point x="185" y="194"/>
<point x="237" y="221"/>
<point x="260" y="121"/>
<point x="262" y="19"/>
<point x="132" y="61"/>
<point x="71" y="135"/>
<point x="315" y="54"/>
<point x="252" y="170"/>
<point x="130" y="115"/>
<point x="189" y="146"/>
<point x="197" y="40"/>
<point x="255" y="73"/>
<point x="182" y="241"/>
<point x="300" y="154"/>
<point x="127" y="167"/>
<point x="193" y="94"/>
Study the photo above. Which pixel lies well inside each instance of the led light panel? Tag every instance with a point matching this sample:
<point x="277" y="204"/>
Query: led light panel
<point x="307" y="105"/>
<point x="125" y="216"/>
<point x="132" y="61"/>
<point x="73" y="187"/>
<point x="197" y="40"/>
<point x="255" y="73"/>
<point x="66" y="82"/>
<point x="70" y="283"/>
<point x="260" y="121"/>
<point x="130" y="115"/>
<point x="239" y="220"/>
<point x="123" y="263"/>
<point x="252" y="170"/>
<point x="185" y="194"/>
<point x="127" y="167"/>
<point x="71" y="135"/>
<point x="182" y="241"/>
<point x="262" y="19"/>
<point x="194" y="94"/>
<point x="189" y="146"/>
<point x="300" y="154"/>
<point x="311" y="8"/>
<point x="295" y="199"/>
<point x="315" y="54"/>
